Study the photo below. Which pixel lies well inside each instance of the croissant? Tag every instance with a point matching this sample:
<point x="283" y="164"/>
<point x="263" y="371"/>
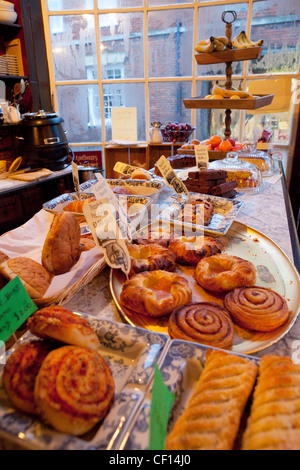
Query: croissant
<point x="77" y="205"/>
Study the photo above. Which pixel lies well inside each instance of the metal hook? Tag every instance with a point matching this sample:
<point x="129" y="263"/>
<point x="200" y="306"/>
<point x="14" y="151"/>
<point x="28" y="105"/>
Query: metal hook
<point x="233" y="13"/>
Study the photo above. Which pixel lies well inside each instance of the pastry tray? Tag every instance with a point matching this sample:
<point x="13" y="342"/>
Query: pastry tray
<point x="225" y="212"/>
<point x="274" y="271"/>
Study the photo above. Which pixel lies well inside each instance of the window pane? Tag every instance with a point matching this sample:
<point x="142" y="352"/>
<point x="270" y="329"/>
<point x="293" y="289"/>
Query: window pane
<point x="277" y="22"/>
<point x="73" y="47"/>
<point x="122" y="45"/>
<point x="210" y="24"/>
<point x="170" y="39"/>
<point x="165" y="101"/>
<point x="71" y="5"/>
<point x="109" y="5"/>
<point x="155" y="3"/>
<point x="212" y="121"/>
<point x="79" y="106"/>
<point x="131" y="95"/>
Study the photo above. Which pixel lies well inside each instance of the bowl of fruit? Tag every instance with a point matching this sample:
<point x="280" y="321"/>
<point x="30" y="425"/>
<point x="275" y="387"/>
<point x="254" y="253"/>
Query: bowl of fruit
<point x="176" y="132"/>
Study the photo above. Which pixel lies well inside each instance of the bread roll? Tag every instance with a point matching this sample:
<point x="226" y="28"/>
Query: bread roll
<point x="61" y="249"/>
<point x="20" y="373"/>
<point x="60" y="324"/>
<point x="141" y="174"/>
<point x="74" y="389"/>
<point x="33" y="275"/>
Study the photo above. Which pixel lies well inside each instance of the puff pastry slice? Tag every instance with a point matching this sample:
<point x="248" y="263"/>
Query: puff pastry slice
<point x="274" y="421"/>
<point x="212" y="417"/>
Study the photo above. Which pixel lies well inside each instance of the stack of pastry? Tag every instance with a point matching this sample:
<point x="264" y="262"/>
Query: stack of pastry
<point x="211" y="181"/>
<point x="60" y="375"/>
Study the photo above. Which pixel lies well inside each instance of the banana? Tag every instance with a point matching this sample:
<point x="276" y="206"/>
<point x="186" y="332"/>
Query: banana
<point x="229" y="93"/>
<point x="208" y="46"/>
<point x="223" y="39"/>
<point x="219" y="46"/>
<point x="241" y="41"/>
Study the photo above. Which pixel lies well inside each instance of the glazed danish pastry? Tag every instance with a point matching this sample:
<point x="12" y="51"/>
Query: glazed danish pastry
<point x="155" y="293"/>
<point x="212" y="417"/>
<point x="20" y="373"/>
<point x="204" y="322"/>
<point x="190" y="250"/>
<point x="273" y="423"/>
<point x="158" y="236"/>
<point x="223" y="272"/>
<point x="74" y="389"/>
<point x="150" y="257"/>
<point x="257" y="308"/>
<point x="60" y="324"/>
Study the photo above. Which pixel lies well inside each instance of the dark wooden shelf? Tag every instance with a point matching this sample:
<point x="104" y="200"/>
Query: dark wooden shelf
<point x="12" y="78"/>
<point x="9" y="31"/>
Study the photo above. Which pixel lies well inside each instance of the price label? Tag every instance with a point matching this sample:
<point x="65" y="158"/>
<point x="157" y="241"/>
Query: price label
<point x="75" y="175"/>
<point x="202" y="157"/>
<point x="124" y="168"/>
<point x="170" y="176"/>
<point x="110" y="226"/>
<point x="15" y="307"/>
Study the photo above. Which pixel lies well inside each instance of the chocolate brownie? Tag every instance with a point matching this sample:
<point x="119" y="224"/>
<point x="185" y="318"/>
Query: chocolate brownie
<point x="223" y="188"/>
<point x="208" y="174"/>
<point x="230" y="194"/>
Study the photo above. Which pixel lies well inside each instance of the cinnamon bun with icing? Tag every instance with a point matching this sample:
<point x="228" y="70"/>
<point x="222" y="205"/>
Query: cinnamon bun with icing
<point x="150" y="257"/>
<point x="203" y="322"/>
<point x="223" y="272"/>
<point x="155" y="293"/>
<point x="74" y="389"/>
<point x="257" y="308"/>
<point x="190" y="250"/>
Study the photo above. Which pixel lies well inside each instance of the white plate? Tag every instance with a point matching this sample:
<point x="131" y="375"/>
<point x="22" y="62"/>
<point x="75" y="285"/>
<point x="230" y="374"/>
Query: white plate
<point x="131" y="354"/>
<point x="225" y="212"/>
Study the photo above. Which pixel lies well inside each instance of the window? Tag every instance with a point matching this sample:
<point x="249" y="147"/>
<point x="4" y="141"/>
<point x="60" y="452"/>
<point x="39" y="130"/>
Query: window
<point x="140" y="53"/>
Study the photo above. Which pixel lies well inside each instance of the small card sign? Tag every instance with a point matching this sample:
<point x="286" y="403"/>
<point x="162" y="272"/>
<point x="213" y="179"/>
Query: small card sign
<point x="109" y="225"/>
<point x="170" y="176"/>
<point x="15" y="307"/>
<point x="124" y="124"/>
<point x="75" y="175"/>
<point x="202" y="157"/>
<point x="124" y="168"/>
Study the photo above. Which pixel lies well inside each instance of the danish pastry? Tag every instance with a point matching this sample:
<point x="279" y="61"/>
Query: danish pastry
<point x="159" y="236"/>
<point x="77" y="205"/>
<point x="61" y="248"/>
<point x="20" y="373"/>
<point x="150" y="257"/>
<point x="155" y="293"/>
<point x="257" y="308"/>
<point x="204" y="322"/>
<point x="212" y="417"/>
<point x="60" y="324"/>
<point x="223" y="272"/>
<point x="274" y="423"/>
<point x="74" y="389"/>
<point x="190" y="250"/>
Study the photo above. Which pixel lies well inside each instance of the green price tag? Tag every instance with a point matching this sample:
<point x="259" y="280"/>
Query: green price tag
<point x="15" y="307"/>
<point x="161" y="405"/>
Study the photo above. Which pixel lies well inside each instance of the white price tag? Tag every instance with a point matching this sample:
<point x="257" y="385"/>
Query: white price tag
<point x="170" y="176"/>
<point x="202" y="157"/>
<point x="124" y="168"/>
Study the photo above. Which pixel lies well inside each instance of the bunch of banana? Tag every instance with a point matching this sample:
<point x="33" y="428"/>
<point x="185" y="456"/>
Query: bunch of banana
<point x="234" y="93"/>
<point x="212" y="44"/>
<point x="241" y="41"/>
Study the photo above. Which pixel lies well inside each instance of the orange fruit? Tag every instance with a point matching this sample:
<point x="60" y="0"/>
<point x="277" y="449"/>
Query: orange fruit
<point x="195" y="141"/>
<point x="225" y="146"/>
<point x="215" y="140"/>
<point x="210" y="147"/>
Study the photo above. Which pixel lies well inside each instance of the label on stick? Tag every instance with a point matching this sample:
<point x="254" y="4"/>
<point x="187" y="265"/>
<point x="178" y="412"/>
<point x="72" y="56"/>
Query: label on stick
<point x="170" y="176"/>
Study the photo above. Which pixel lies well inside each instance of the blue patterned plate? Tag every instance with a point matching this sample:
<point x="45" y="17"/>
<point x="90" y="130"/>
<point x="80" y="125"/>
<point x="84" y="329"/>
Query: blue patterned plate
<point x="131" y="354"/>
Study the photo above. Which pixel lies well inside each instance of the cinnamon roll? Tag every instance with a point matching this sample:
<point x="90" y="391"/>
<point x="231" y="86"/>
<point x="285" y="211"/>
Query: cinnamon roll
<point x="150" y="257"/>
<point x="257" y="308"/>
<point x="190" y="250"/>
<point x="223" y="272"/>
<point x="20" y="374"/>
<point x="74" y="389"/>
<point x="204" y="322"/>
<point x="155" y="293"/>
